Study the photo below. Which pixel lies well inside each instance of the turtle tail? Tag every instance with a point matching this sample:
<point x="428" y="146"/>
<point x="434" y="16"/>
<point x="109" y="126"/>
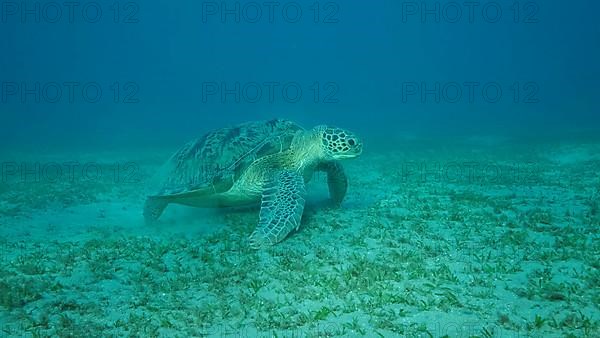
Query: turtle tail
<point x="153" y="208"/>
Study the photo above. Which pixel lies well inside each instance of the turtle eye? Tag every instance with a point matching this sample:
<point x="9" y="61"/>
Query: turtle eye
<point x="351" y="142"/>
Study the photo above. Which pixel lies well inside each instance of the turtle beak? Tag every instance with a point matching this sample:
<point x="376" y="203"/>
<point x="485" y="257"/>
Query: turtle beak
<point x="357" y="149"/>
<point x="353" y="152"/>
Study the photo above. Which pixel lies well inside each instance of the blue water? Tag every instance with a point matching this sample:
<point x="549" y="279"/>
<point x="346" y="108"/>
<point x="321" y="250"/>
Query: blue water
<point x="370" y="61"/>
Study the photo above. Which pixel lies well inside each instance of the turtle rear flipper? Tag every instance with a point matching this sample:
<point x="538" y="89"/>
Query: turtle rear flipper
<point x="153" y="208"/>
<point x="281" y="209"/>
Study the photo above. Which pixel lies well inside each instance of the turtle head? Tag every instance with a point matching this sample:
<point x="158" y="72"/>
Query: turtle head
<point x="338" y="143"/>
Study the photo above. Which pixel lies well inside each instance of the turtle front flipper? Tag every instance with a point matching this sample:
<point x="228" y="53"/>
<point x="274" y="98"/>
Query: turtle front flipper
<point x="281" y="208"/>
<point x="336" y="180"/>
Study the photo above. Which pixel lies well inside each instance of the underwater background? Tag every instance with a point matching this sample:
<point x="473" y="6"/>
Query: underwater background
<point x="472" y="212"/>
<point x="368" y="53"/>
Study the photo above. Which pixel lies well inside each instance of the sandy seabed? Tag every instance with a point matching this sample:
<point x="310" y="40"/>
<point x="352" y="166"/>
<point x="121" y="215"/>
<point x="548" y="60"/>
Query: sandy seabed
<point x="500" y="240"/>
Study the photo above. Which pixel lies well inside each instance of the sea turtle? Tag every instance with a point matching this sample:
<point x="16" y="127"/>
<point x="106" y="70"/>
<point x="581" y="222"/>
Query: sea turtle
<point x="266" y="162"/>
